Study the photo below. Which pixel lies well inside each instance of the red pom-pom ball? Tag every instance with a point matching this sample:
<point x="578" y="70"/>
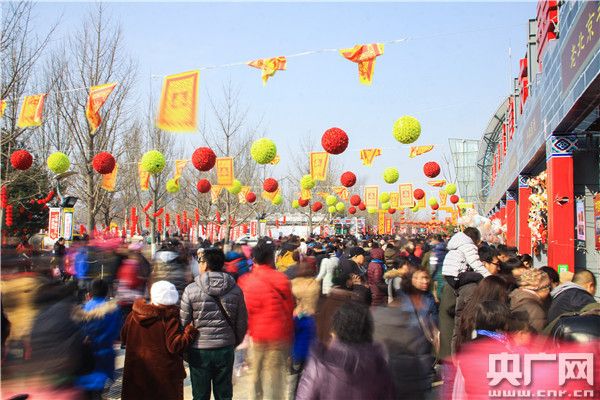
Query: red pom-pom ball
<point x="270" y="185"/>
<point x="355" y="200"/>
<point x="204" y="158"/>
<point x="362" y="206"/>
<point x="334" y="141"/>
<point x="317" y="206"/>
<point x="435" y="206"/>
<point x="419" y="194"/>
<point x="250" y="197"/>
<point x="103" y="163"/>
<point x="302" y="202"/>
<point x="348" y="179"/>
<point x="203" y="186"/>
<point x="431" y="169"/>
<point x="454" y="199"/>
<point x="21" y="159"/>
<point x="391" y="210"/>
<point x="352" y="210"/>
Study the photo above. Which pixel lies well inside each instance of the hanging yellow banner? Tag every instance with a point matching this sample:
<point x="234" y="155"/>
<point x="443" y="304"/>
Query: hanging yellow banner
<point x="31" y="111"/>
<point x="319" y="163"/>
<point x="96" y="99"/>
<point x="405" y="193"/>
<point x="215" y="191"/>
<point x="178" y="110"/>
<point x="269" y="66"/>
<point x="418" y="150"/>
<point x="323" y="194"/>
<point x="388" y="224"/>
<point x="270" y="196"/>
<point x="224" y="167"/>
<point x="144" y="178"/>
<point x="368" y="155"/>
<point x="394" y="199"/>
<point x="364" y="55"/>
<point x="305" y="194"/>
<point x="2" y="107"/>
<point x="371" y="196"/>
<point x="109" y="181"/>
<point x="381" y="222"/>
<point x="443" y="198"/>
<point x="276" y="160"/>
<point x="179" y="166"/>
<point x="342" y="192"/>
<point x="242" y="194"/>
<point x="437" y="182"/>
<point x="422" y="203"/>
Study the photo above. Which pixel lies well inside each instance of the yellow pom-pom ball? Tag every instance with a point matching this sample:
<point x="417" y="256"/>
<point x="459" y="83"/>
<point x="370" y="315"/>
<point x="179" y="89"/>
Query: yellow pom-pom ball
<point x="235" y="188"/>
<point x="407" y="129"/>
<point x="172" y="186"/>
<point x="153" y="162"/>
<point x="307" y="182"/>
<point x="58" y="162"/>
<point x="340" y="206"/>
<point x="263" y="151"/>
<point x="330" y="200"/>
<point x="390" y="175"/>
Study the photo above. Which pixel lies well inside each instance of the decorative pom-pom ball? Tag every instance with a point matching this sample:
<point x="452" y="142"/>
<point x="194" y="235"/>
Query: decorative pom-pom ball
<point x="270" y="185"/>
<point x="334" y="141"/>
<point x="204" y="158"/>
<point x="391" y="210"/>
<point x="419" y="194"/>
<point x="340" y="206"/>
<point x="21" y="160"/>
<point x="331" y="209"/>
<point x="454" y="199"/>
<point x="431" y="169"/>
<point x="153" y="162"/>
<point x="172" y="186"/>
<point x="450" y="188"/>
<point x="235" y="188"/>
<point x="303" y="202"/>
<point x="435" y="206"/>
<point x="203" y="186"/>
<point x="390" y="175"/>
<point x="415" y="209"/>
<point x="355" y="200"/>
<point x="263" y="151"/>
<point x="250" y="197"/>
<point x="384" y="197"/>
<point x="407" y="129"/>
<point x="58" y="162"/>
<point x="307" y="182"/>
<point x="295" y="204"/>
<point x="362" y="206"/>
<point x="348" y="179"/>
<point x="330" y="200"/>
<point x="385" y="206"/>
<point x="432" y="201"/>
<point x="317" y="206"/>
<point x="352" y="210"/>
<point x="277" y="200"/>
<point x="104" y="163"/>
<point x="372" y="210"/>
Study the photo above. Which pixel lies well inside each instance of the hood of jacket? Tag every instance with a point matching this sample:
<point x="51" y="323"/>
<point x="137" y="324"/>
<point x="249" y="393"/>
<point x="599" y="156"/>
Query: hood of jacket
<point x="166" y="256"/>
<point x="520" y="296"/>
<point x="377" y="253"/>
<point x="147" y="314"/>
<point x="95" y="309"/>
<point x="459" y="239"/>
<point x="215" y="283"/>
<point x="564" y="287"/>
<point x="355" y="359"/>
<point x="392" y="273"/>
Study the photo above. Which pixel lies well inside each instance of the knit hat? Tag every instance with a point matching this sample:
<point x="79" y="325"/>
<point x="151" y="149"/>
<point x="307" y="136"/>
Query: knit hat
<point x="164" y="293"/>
<point x="534" y="279"/>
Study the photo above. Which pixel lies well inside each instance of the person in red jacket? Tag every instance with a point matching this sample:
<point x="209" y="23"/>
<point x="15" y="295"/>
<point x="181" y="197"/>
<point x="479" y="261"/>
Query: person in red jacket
<point x="270" y="305"/>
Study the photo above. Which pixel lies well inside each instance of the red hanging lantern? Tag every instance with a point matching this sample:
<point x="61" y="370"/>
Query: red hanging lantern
<point x="362" y="206"/>
<point x="250" y="197"/>
<point x="334" y="141"/>
<point x="158" y="212"/>
<point x="419" y="194"/>
<point x="284" y="220"/>
<point x="8" y="219"/>
<point x="204" y="158"/>
<point x="21" y="160"/>
<point x="454" y="199"/>
<point x="270" y="185"/>
<point x="196" y="216"/>
<point x="348" y="179"/>
<point x="431" y="169"/>
<point x="391" y="210"/>
<point x="317" y="206"/>
<point x="147" y="222"/>
<point x="435" y="206"/>
<point x="3" y="196"/>
<point x="178" y="220"/>
<point x="147" y="206"/>
<point x="203" y="186"/>
<point x="352" y="210"/>
<point x="167" y="220"/>
<point x="184" y="216"/>
<point x="160" y="224"/>
<point x="133" y="213"/>
<point x="218" y="217"/>
<point x="104" y="163"/>
<point x="302" y="202"/>
<point x="355" y="200"/>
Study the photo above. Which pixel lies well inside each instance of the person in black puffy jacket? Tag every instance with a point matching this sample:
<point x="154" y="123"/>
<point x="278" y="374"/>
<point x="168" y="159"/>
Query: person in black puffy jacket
<point x="572" y="296"/>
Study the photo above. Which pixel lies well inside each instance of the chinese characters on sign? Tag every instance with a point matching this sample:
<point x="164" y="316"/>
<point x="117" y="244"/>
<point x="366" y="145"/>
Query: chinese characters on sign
<point x="371" y="196"/>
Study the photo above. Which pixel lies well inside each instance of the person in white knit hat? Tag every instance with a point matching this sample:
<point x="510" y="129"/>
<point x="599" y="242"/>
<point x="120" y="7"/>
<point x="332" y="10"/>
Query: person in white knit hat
<point x="154" y="343"/>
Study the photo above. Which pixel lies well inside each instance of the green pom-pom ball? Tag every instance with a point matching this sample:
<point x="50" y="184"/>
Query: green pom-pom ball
<point x="390" y="175"/>
<point x="331" y="209"/>
<point x="340" y="206"/>
<point x="372" y="210"/>
<point x="384" y="197"/>
<point x="263" y="151"/>
<point x="277" y="200"/>
<point x="153" y="162"/>
<point x="307" y="182"/>
<point x="385" y="206"/>
<point x="450" y="189"/>
<point x="235" y="188"/>
<point x="330" y="200"/>
<point x="58" y="162"/>
<point x="172" y="186"/>
<point x="432" y="201"/>
<point x="407" y="129"/>
<point x="295" y="204"/>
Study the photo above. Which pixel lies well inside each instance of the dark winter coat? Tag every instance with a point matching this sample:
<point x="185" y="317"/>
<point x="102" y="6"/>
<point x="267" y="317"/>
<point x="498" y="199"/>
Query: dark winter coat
<point x="202" y="310"/>
<point x="334" y="300"/>
<point x="568" y="297"/>
<point x="527" y="306"/>
<point x="581" y="326"/>
<point x="346" y="371"/>
<point x="375" y="272"/>
<point x="169" y="267"/>
<point x="153" y="362"/>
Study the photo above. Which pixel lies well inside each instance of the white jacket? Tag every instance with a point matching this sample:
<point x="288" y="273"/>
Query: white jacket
<point x="462" y="253"/>
<point x="328" y="265"/>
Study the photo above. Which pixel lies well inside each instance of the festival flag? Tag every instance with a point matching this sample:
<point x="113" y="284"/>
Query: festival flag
<point x="2" y="107"/>
<point x="269" y="66"/>
<point x="109" y="181"/>
<point x="368" y="155"/>
<point x="96" y="99"/>
<point x="381" y="222"/>
<point x="388" y="224"/>
<point x="305" y="194"/>
<point x="364" y="55"/>
<point x="215" y="191"/>
<point x="406" y="199"/>
<point x="418" y="150"/>
<point x="371" y="196"/>
<point x="31" y="111"/>
<point x="242" y="194"/>
<point x="443" y="198"/>
<point x="270" y="196"/>
<point x="224" y="171"/>
<point x="319" y="163"/>
<point x="436" y="182"/>
<point x="342" y="192"/>
<point x="394" y="199"/>
<point x="179" y="103"/>
<point x="144" y="178"/>
<point x="179" y="166"/>
<point x="276" y="160"/>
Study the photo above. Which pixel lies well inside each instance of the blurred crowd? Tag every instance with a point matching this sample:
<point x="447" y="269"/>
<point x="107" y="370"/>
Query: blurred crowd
<point x="336" y="317"/>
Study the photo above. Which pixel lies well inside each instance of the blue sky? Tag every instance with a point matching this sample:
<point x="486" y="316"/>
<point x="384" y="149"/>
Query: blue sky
<point x="451" y="74"/>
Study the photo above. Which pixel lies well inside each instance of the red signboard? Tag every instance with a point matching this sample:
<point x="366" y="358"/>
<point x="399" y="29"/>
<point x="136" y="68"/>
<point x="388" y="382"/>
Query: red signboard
<point x="54" y="223"/>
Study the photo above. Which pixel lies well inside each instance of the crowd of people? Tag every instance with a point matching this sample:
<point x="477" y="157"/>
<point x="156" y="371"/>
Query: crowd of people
<point x="337" y="317"/>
